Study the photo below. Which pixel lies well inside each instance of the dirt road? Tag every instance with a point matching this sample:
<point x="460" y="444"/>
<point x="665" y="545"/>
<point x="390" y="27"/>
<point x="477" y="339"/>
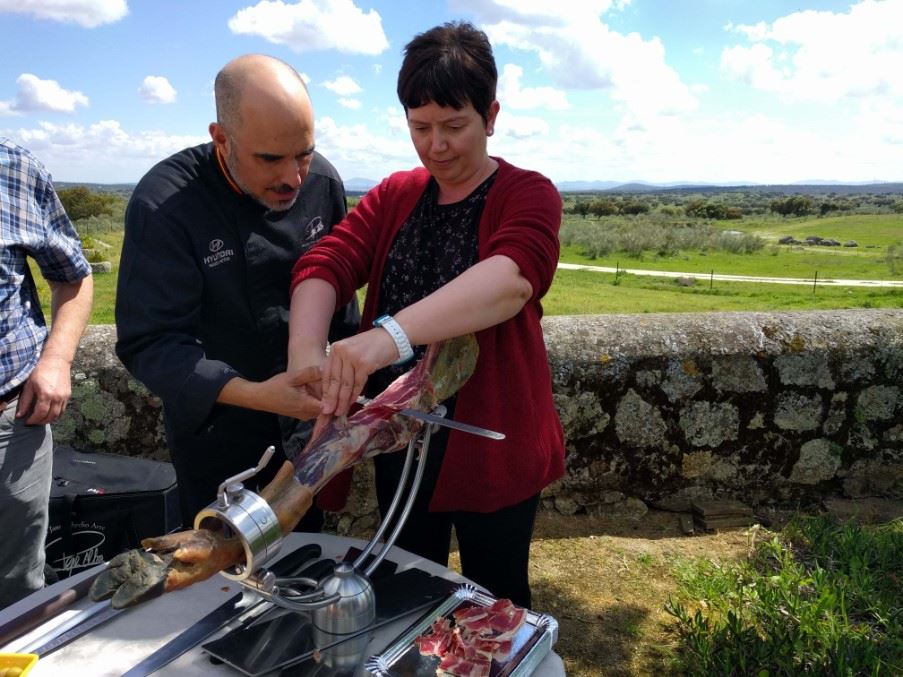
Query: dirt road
<point x="738" y="278"/>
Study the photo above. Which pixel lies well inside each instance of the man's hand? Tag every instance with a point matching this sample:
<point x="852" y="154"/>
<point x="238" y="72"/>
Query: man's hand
<point x="288" y="394"/>
<point x="301" y="392"/>
<point x="46" y="392"/>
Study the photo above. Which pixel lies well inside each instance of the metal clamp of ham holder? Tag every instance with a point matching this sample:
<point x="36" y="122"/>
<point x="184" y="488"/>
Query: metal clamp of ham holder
<point x="249" y="517"/>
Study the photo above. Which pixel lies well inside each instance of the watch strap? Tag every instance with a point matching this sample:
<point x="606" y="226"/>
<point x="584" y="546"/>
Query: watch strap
<point x="405" y="351"/>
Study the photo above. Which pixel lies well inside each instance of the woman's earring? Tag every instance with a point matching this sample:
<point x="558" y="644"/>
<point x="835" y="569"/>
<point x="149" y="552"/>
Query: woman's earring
<point x="489" y="131"/>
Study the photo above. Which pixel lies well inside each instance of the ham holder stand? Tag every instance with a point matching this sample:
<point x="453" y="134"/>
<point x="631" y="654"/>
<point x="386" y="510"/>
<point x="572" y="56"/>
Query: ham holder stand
<point x="342" y="606"/>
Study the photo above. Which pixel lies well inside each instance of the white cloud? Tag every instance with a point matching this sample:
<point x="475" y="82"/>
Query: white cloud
<point x="753" y="66"/>
<point x="537" y="12"/>
<point x="521" y="127"/>
<point x="394" y="119"/>
<point x="35" y="94"/>
<point x="579" y="51"/>
<point x="310" y="25"/>
<point x="359" y="151"/>
<point x="353" y="104"/>
<point x="823" y="56"/>
<point x="343" y="86"/>
<point x="101" y="152"/>
<point x="86" y="13"/>
<point x="511" y="94"/>
<point x="157" y="89"/>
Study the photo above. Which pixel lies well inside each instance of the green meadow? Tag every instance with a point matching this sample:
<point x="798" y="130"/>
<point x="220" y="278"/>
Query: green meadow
<point x="877" y="256"/>
<point x="665" y="242"/>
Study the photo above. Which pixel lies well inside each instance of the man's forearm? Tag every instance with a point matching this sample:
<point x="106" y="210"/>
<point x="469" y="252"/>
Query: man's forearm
<point x="70" y="310"/>
<point x="286" y="394"/>
<point x="240" y="392"/>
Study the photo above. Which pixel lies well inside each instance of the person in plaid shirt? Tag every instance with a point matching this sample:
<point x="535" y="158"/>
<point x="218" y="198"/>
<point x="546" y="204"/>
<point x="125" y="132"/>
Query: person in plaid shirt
<point x="35" y="363"/>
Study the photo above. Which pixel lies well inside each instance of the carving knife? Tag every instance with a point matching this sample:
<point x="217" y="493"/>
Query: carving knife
<point x="240" y="605"/>
<point x="441" y="420"/>
<point x="39" y="615"/>
<point x="80" y="623"/>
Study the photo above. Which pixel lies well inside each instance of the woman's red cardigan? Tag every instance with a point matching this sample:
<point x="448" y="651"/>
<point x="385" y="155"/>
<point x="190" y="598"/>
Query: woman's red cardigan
<point x="511" y="388"/>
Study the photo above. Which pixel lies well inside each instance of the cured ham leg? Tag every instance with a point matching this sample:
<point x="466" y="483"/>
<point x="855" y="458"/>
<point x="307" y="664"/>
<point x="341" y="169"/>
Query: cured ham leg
<point x="177" y="560"/>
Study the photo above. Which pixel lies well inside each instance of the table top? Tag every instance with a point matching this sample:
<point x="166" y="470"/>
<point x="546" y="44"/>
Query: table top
<point x="123" y="641"/>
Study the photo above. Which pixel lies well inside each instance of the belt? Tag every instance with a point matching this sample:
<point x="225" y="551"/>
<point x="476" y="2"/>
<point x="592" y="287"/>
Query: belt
<point x="8" y="397"/>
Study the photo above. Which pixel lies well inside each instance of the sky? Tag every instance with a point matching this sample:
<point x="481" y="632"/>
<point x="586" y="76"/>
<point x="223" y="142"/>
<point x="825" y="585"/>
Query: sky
<point x="660" y="91"/>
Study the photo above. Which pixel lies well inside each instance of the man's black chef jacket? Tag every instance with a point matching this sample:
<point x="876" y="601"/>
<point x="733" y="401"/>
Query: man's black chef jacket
<point x="203" y="296"/>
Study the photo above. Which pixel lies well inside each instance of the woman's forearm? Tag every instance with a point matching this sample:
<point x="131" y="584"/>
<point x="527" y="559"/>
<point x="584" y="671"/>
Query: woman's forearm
<point x="484" y="295"/>
<point x="313" y="304"/>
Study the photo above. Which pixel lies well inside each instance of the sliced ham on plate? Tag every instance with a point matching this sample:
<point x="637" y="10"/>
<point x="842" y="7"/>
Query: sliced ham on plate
<point x="467" y="643"/>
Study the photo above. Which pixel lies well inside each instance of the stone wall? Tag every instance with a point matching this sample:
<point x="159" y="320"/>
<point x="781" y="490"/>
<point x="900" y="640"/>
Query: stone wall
<point x="759" y="407"/>
<point x="657" y="409"/>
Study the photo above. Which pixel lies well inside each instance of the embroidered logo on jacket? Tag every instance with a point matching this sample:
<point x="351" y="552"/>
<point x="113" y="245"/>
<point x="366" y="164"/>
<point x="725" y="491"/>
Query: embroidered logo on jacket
<point x="218" y="255"/>
<point x="313" y="230"/>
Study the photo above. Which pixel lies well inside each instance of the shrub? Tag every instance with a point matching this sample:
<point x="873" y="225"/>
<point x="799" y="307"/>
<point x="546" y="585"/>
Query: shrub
<point x="819" y="599"/>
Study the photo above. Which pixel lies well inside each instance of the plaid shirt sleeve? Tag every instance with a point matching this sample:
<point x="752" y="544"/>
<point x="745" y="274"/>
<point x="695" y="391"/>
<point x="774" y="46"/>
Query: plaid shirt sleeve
<point x="59" y="253"/>
<point x="32" y="223"/>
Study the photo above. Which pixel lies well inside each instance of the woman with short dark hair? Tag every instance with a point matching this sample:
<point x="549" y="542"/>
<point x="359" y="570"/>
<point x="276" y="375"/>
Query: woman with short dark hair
<point x="467" y="243"/>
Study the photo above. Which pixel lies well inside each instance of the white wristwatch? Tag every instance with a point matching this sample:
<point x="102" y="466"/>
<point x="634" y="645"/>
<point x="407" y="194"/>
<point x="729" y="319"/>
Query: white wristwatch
<point x="405" y="351"/>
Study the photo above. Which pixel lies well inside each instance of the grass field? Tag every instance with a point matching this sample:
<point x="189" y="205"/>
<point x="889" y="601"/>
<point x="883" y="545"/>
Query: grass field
<point x="873" y="233"/>
<point x="587" y="293"/>
<point x="577" y="292"/>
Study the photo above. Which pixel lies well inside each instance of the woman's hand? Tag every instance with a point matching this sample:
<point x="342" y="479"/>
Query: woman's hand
<point x="350" y="363"/>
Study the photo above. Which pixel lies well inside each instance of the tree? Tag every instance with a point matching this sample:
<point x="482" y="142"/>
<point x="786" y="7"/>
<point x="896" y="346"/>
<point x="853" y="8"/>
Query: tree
<point x="580" y="207"/>
<point x="81" y="203"/>
<point x="603" y="207"/>
<point x="634" y="207"/>
<point x="795" y="205"/>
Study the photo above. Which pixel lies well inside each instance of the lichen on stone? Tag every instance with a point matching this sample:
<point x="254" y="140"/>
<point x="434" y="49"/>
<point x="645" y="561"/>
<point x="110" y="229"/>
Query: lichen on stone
<point x="819" y="460"/>
<point x="738" y="374"/>
<point x="709" y="423"/>
<point x="797" y="411"/>
<point x="807" y="368"/>
<point x="877" y="403"/>
<point x="639" y="423"/>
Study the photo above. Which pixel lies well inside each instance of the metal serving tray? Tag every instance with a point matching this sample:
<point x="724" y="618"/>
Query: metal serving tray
<point x="531" y="644"/>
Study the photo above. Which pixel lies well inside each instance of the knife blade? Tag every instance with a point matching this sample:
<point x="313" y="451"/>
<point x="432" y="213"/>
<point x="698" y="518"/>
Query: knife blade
<point x="29" y="620"/>
<point x="241" y="605"/>
<point x="80" y="623"/>
<point x="445" y="422"/>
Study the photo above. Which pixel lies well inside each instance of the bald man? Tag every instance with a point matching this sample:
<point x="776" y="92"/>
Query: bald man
<point x="202" y="306"/>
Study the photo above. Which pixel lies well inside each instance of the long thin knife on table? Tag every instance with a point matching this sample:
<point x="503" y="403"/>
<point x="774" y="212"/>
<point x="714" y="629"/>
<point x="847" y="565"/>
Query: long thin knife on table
<point x="29" y="620"/>
<point x="80" y="623"/>
<point x="446" y="422"/>
<point x="243" y="604"/>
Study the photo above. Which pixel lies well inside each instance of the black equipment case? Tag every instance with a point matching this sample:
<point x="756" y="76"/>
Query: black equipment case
<point x="102" y="504"/>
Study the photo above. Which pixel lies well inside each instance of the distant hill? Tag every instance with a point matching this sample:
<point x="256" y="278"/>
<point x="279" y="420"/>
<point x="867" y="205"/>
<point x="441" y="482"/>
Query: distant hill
<point x="815" y="188"/>
<point x="358" y="185"/>
<point x="585" y="186"/>
<point x="119" y="188"/>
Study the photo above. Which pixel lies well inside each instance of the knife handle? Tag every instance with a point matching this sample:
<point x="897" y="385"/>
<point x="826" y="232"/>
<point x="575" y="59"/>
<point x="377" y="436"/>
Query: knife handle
<point x="296" y="559"/>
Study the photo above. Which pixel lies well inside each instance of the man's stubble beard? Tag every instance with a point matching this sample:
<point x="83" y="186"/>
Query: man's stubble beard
<point x="232" y="166"/>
